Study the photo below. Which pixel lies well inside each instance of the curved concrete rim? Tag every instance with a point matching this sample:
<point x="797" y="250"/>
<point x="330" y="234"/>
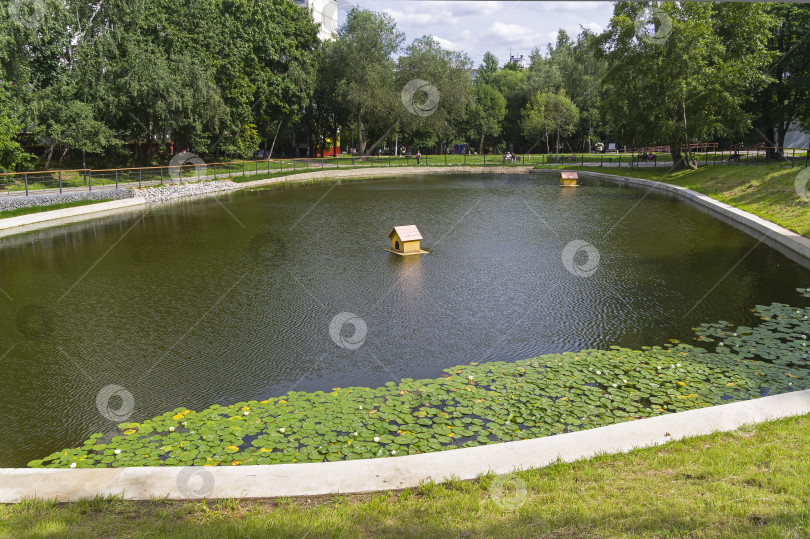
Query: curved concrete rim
<point x="749" y="222"/>
<point x="357" y="476"/>
<point x="66" y="214"/>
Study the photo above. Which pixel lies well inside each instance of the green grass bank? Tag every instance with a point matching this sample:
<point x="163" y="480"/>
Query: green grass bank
<point x="747" y="483"/>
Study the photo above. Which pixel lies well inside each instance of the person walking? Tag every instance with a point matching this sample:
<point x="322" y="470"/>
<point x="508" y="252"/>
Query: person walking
<point x="418" y="157"/>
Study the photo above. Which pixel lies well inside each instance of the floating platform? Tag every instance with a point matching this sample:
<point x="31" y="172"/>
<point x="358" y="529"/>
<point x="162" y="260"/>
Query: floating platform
<point x="400" y="253"/>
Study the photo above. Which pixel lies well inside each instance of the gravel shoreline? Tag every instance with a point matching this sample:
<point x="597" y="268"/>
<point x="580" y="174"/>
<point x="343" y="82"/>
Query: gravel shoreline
<point x="155" y="195"/>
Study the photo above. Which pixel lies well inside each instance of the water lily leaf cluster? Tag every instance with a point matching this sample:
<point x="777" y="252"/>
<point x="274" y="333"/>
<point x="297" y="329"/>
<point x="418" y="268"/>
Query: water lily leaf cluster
<point x="471" y="404"/>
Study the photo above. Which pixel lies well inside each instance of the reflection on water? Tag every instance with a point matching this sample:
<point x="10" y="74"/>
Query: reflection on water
<point x="221" y="301"/>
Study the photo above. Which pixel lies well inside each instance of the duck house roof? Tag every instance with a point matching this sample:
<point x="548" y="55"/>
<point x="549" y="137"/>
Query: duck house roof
<point x="406" y="233"/>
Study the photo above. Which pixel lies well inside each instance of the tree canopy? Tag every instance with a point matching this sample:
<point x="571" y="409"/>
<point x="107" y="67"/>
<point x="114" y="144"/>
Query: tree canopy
<point x="134" y="81"/>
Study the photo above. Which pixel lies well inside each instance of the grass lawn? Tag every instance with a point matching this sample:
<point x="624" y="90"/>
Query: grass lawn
<point x="39" y="209"/>
<point x="747" y="483"/>
<point x="764" y="190"/>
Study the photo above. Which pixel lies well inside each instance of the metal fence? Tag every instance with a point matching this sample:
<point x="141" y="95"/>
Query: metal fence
<point x="61" y="181"/>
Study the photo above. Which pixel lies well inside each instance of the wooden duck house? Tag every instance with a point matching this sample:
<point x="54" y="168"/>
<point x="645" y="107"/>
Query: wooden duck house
<point x="569" y="179"/>
<point x="405" y="241"/>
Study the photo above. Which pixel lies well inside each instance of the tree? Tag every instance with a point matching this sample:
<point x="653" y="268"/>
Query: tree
<point x="580" y="72"/>
<point x="486" y="113"/>
<point x="511" y="83"/>
<point x="65" y="123"/>
<point x="785" y="99"/>
<point x="488" y="67"/>
<point x="433" y="113"/>
<point x="689" y="83"/>
<point x="550" y="111"/>
<point x="12" y="153"/>
<point x="363" y="75"/>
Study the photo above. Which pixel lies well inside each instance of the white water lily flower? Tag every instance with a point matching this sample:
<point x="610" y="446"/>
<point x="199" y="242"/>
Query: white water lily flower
<point x="361" y="406"/>
<point x="171" y="429"/>
<point x="247" y="413"/>
<point x="376" y="438"/>
<point x="598" y="372"/>
<point x="470" y="377"/>
<point x="72" y="464"/>
<point x="393" y="452"/>
<point x="117" y="451"/>
<point x="185" y="424"/>
<point x="679" y="364"/>
<point x="625" y="381"/>
<point x="614" y="385"/>
<point x="281" y="430"/>
<point x="355" y="433"/>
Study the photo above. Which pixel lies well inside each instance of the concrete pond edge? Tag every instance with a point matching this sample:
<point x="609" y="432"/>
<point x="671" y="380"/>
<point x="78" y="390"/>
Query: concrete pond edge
<point x="370" y="475"/>
<point x="68" y="213"/>
<point x="757" y="226"/>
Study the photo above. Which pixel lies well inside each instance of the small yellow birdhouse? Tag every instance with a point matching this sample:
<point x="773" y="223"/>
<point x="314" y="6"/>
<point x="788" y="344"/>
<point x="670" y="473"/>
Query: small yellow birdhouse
<point x="405" y="240"/>
<point x="569" y="179"/>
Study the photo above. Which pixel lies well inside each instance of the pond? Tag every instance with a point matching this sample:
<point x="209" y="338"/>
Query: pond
<point x="228" y="299"/>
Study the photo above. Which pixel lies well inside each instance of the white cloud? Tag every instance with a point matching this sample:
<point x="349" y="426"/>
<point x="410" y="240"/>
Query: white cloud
<point x="446" y="44"/>
<point x="477" y="27"/>
<point x="571" y="6"/>
<point x="514" y="34"/>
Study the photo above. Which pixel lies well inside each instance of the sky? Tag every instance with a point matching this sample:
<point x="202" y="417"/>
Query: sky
<point x="477" y="27"/>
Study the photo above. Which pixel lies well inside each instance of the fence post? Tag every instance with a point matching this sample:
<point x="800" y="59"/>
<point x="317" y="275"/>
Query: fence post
<point x="601" y="160"/>
<point x="806" y="157"/>
<point x="60" y="182"/>
<point x="465" y="159"/>
<point x="485" y="159"/>
<point x="243" y="168"/>
<point x="116" y="180"/>
<point x="25" y="179"/>
<point x="90" y="180"/>
<point x="793" y="158"/>
<point x="161" y="176"/>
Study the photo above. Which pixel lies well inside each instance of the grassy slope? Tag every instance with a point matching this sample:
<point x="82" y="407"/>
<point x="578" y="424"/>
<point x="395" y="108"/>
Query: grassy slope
<point x="39" y="209"/>
<point x="751" y="482"/>
<point x="764" y="190"/>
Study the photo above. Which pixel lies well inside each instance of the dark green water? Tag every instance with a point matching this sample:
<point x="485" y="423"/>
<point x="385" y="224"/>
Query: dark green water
<point x="230" y="299"/>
